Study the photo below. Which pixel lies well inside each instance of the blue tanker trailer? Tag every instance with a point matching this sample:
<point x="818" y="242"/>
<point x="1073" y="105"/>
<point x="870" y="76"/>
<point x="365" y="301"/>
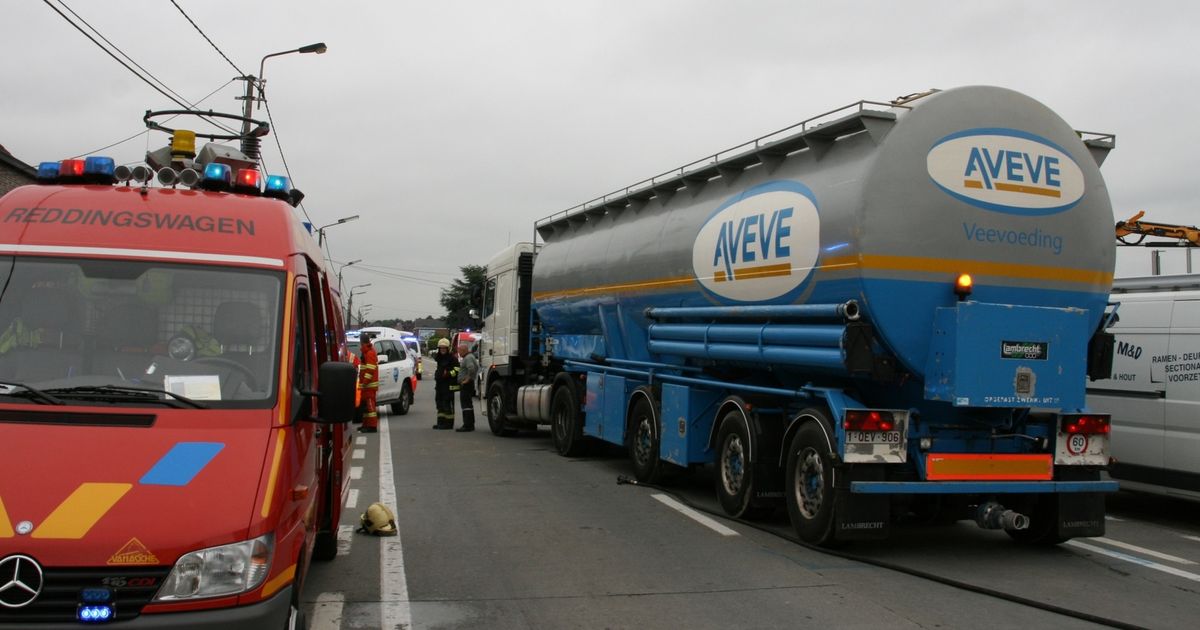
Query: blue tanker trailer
<point x="891" y="309"/>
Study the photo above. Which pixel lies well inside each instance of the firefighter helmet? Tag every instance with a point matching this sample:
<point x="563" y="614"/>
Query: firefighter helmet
<point x="378" y="520"/>
<point x="443" y="343"/>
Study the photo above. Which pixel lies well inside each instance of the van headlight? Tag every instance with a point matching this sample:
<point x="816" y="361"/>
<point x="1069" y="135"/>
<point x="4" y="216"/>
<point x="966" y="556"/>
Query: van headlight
<point x="217" y="571"/>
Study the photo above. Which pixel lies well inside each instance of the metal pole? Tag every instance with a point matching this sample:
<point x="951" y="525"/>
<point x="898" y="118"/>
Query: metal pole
<point x="350" y="308"/>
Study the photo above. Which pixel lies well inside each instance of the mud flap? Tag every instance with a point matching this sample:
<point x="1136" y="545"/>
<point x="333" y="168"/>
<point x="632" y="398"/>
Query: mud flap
<point x="861" y="516"/>
<point x="1080" y="514"/>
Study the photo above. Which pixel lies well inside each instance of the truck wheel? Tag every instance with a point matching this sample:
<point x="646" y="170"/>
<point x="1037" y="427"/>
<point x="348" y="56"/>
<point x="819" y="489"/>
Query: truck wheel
<point x="644" y="442"/>
<point x="735" y="473"/>
<point x="495" y="410"/>
<point x="400" y="407"/>
<point x="808" y="481"/>
<point x="565" y="424"/>
<point x="1043" y="524"/>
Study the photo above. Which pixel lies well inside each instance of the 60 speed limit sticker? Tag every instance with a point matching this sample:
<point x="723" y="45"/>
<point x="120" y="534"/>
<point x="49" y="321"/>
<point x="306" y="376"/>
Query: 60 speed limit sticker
<point x="1077" y="444"/>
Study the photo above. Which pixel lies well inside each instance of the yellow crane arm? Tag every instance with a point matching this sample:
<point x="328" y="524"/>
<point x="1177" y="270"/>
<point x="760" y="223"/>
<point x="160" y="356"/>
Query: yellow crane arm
<point x="1135" y="226"/>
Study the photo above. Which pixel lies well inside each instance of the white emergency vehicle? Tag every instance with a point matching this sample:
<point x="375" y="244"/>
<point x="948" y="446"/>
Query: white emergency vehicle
<point x="397" y="382"/>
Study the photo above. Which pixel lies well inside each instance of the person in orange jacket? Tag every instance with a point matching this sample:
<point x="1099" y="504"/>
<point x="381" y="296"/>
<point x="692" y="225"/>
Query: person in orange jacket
<point x="368" y="380"/>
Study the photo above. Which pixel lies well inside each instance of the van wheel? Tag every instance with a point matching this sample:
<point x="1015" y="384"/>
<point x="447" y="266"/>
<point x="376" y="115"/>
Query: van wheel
<point x="400" y="408"/>
<point x="808" y="481"/>
<point x="565" y="424"/>
<point x="735" y="480"/>
<point x="496" y="404"/>
<point x="644" y="442"/>
<point x="296" y="620"/>
<point x="325" y="546"/>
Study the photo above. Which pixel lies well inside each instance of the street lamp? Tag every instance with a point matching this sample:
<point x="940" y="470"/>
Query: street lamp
<point x="250" y="145"/>
<point x="350" y="302"/>
<point x="321" y="230"/>
<point x="343" y="268"/>
<point x="362" y="310"/>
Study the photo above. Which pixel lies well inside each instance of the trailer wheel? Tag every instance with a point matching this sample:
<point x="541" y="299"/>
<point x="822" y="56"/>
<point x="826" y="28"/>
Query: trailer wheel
<point x="496" y="404"/>
<point x="735" y="481"/>
<point x="644" y="441"/>
<point x="565" y="424"/>
<point x="809" y="481"/>
<point x="400" y="407"/>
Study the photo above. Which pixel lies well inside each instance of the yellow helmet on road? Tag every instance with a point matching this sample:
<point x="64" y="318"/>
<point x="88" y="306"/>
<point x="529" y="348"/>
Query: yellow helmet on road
<point x="378" y="520"/>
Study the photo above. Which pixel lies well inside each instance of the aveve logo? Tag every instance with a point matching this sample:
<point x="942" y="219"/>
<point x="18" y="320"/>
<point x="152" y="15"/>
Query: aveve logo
<point x="1006" y="170"/>
<point x="759" y="245"/>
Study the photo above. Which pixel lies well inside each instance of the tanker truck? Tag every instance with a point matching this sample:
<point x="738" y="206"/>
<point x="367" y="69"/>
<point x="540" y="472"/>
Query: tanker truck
<point x="890" y="311"/>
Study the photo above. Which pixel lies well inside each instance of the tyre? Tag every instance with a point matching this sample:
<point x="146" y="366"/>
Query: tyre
<point x="565" y="423"/>
<point x="1043" y="525"/>
<point x="735" y="479"/>
<point x="296" y="620"/>
<point x="644" y="442"/>
<point x="401" y="407"/>
<point x="808" y="480"/>
<point x="325" y="547"/>
<point x="496" y="404"/>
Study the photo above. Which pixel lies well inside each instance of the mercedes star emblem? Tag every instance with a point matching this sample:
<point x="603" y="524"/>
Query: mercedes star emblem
<point x="20" y="581"/>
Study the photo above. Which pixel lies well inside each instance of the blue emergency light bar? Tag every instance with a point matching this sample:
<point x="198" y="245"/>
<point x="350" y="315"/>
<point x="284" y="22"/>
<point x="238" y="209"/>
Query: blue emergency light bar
<point x="96" y="613"/>
<point x="47" y="170"/>
<point x="99" y="165"/>
<point x="278" y="183"/>
<point x="218" y="173"/>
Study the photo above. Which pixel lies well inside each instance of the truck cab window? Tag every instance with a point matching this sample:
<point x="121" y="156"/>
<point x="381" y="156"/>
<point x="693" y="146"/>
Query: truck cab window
<point x="489" y="297"/>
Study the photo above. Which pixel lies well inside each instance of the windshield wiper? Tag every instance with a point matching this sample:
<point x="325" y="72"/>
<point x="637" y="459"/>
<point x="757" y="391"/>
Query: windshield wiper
<point x="32" y="393"/>
<point x="123" y="392"/>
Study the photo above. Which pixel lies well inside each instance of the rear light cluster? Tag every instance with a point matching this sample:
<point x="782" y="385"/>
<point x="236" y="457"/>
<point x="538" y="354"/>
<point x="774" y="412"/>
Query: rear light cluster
<point x="869" y="420"/>
<point x="1089" y="424"/>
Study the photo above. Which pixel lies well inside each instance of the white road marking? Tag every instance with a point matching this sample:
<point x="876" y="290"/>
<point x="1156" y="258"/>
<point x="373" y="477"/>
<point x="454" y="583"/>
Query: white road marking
<point x="358" y="453"/>
<point x="352" y="499"/>
<point x="360" y="440"/>
<point x="1108" y="517"/>
<point x="356" y="472"/>
<point x="345" y="539"/>
<point x="1149" y="564"/>
<point x="1195" y="538"/>
<point x="327" y="612"/>
<point x="1143" y="550"/>
<point x="393" y="584"/>
<point x="694" y="515"/>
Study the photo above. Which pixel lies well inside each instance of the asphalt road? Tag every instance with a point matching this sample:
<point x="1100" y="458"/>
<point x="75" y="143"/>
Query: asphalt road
<point x="504" y="533"/>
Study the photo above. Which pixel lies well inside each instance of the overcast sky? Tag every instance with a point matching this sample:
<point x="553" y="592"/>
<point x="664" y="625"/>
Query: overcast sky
<point x="450" y="127"/>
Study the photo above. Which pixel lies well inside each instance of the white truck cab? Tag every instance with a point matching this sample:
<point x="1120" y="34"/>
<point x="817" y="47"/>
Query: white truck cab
<point x="506" y="294"/>
<point x="1154" y="392"/>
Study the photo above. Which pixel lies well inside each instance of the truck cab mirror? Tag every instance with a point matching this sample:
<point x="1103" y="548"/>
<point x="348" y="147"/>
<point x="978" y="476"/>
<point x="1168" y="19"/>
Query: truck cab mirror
<point x="474" y="313"/>
<point x="335" y="400"/>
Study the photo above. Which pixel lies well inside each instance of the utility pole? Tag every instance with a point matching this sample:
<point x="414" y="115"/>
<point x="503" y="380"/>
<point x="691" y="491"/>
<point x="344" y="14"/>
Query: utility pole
<point x="249" y="145"/>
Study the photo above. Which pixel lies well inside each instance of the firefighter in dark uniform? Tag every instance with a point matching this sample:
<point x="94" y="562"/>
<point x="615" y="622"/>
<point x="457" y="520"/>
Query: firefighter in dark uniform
<point x="445" y="384"/>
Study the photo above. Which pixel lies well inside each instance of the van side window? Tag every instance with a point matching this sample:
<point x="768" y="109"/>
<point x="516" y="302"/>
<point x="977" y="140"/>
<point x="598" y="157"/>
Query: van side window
<point x="304" y="345"/>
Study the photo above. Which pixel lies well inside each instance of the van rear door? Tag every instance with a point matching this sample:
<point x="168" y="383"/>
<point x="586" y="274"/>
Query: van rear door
<point x="1182" y="421"/>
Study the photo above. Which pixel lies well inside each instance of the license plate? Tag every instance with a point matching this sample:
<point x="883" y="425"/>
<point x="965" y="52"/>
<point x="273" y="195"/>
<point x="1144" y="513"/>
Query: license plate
<point x="872" y="437"/>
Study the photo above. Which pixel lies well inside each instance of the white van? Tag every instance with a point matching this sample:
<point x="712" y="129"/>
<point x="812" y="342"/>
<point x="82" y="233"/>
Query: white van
<point x="1154" y="392"/>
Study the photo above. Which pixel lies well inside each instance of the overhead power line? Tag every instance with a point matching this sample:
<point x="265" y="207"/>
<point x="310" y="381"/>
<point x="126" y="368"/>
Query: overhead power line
<point x="146" y="131"/>
<point x="210" y="42"/>
<point x="135" y="73"/>
<point x="275" y="132"/>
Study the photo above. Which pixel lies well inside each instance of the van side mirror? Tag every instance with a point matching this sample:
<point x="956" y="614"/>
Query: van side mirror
<point x="335" y="401"/>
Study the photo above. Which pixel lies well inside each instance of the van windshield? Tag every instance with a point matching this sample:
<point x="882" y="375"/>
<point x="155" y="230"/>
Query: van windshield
<point x="206" y="333"/>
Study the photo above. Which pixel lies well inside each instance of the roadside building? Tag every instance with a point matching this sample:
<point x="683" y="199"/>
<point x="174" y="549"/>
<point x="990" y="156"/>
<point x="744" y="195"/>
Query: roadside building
<point x="14" y="172"/>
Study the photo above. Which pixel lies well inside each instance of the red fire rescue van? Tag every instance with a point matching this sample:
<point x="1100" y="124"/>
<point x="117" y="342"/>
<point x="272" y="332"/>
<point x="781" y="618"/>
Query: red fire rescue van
<point x="173" y="400"/>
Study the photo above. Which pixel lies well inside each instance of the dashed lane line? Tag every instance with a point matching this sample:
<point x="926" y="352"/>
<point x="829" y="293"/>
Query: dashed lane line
<point x="327" y="612"/>
<point x="395" y="609"/>
<point x="352" y="499"/>
<point x="1193" y="538"/>
<point x="356" y="472"/>
<point x="345" y="539"/>
<point x="1149" y="564"/>
<point x="360" y="440"/>
<point x="1142" y="550"/>
<point x="358" y="453"/>
<point x="694" y="515"/>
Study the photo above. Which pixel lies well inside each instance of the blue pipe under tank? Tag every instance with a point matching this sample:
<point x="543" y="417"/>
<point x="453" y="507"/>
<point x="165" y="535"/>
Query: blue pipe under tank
<point x="847" y="310"/>
<point x="822" y="358"/>
<point x="819" y="335"/>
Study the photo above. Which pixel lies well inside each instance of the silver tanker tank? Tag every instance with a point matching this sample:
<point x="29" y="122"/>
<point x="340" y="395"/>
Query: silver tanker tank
<point x="884" y="204"/>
